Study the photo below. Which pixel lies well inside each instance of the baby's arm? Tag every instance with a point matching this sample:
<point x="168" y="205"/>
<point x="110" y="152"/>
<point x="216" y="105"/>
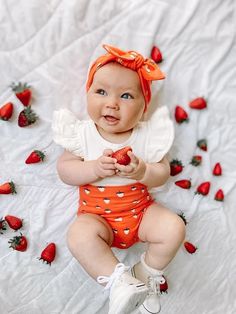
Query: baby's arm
<point x="73" y="170"/>
<point x="149" y="174"/>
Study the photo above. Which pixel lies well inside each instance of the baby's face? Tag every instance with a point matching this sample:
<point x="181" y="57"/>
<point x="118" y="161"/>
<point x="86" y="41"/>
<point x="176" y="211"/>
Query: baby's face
<point x="115" y="99"/>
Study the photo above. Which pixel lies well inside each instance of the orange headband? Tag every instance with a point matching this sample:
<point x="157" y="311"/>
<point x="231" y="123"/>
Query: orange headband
<point x="147" y="69"/>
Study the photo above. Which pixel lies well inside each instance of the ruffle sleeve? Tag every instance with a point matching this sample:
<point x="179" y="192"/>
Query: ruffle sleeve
<point x="160" y="134"/>
<point x="66" y="131"/>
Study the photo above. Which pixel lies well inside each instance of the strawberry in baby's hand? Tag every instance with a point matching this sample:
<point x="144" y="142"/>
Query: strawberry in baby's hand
<point x="184" y="184"/>
<point x="23" y="92"/>
<point x="198" y="103"/>
<point x="26" y="117"/>
<point x="219" y="196"/>
<point x="190" y="247"/>
<point x="121" y="155"/>
<point x="217" y="171"/>
<point x="175" y="167"/>
<point x="35" y="157"/>
<point x="6" y="111"/>
<point x="49" y="253"/>
<point x="180" y="115"/>
<point x="7" y="188"/>
<point x="2" y="225"/>
<point x="18" y="243"/>
<point x="13" y="222"/>
<point x="203" y="188"/>
<point x="156" y="54"/>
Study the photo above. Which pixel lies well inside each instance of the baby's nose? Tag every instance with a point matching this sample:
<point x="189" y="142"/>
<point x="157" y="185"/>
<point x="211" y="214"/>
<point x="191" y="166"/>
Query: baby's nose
<point x="113" y="105"/>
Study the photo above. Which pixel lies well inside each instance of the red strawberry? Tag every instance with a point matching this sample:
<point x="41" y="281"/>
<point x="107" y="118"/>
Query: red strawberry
<point x="23" y="92"/>
<point x="2" y="225"/>
<point x="121" y="155"/>
<point x="26" y="117"/>
<point x="196" y="160"/>
<point x="6" y="111"/>
<point x="184" y="184"/>
<point x="164" y="286"/>
<point x="198" y="103"/>
<point x="49" y="253"/>
<point x="35" y="157"/>
<point x="219" y="196"/>
<point x="190" y="247"/>
<point x="180" y="115"/>
<point x="202" y="144"/>
<point x="18" y="243"/>
<point x="7" y="188"/>
<point x="217" y="171"/>
<point x="181" y="215"/>
<point x="13" y="222"/>
<point x="156" y="54"/>
<point x="203" y="188"/>
<point x="175" y="167"/>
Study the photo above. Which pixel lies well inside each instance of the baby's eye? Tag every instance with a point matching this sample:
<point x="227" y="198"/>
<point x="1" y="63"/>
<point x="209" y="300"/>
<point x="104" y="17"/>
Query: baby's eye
<point x="127" y="96"/>
<point x="100" y="91"/>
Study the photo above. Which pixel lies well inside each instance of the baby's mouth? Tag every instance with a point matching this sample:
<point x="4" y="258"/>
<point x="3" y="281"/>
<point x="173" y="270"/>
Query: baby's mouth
<point x="111" y="118"/>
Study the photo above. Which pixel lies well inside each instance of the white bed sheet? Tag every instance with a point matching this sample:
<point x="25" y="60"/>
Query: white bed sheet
<point x="50" y="45"/>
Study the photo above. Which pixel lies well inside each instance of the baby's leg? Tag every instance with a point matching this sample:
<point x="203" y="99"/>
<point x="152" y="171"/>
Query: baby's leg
<point x="89" y="239"/>
<point x="164" y="231"/>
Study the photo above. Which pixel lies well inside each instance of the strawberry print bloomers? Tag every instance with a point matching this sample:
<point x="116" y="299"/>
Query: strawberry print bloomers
<point x="121" y="206"/>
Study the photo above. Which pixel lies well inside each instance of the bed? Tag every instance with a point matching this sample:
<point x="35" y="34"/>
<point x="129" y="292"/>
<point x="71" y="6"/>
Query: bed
<point x="50" y="47"/>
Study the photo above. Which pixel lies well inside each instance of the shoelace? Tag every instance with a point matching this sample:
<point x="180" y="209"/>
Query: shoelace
<point x="109" y="280"/>
<point x="154" y="284"/>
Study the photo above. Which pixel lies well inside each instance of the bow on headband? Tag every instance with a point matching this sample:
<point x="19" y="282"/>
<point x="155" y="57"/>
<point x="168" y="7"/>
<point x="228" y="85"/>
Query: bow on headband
<point x="146" y="69"/>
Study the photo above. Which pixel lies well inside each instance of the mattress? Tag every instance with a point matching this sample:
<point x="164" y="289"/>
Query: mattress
<point x="50" y="47"/>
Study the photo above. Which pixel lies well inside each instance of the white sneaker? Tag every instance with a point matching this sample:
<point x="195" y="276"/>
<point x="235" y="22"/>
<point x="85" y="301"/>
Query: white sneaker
<point x="152" y="304"/>
<point x="126" y="292"/>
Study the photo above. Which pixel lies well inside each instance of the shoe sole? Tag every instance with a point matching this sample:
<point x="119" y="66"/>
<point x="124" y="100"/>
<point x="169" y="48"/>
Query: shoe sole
<point x="143" y="310"/>
<point x="133" y="303"/>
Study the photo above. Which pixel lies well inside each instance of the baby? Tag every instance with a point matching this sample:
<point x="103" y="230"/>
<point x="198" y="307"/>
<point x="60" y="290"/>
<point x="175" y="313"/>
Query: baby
<point x="115" y="206"/>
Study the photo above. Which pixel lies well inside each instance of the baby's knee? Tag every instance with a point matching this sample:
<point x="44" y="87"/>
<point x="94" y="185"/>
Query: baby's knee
<point x="178" y="229"/>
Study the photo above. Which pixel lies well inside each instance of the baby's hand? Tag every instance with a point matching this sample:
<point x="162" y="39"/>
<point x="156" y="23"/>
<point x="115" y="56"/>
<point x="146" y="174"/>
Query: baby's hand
<point x="134" y="170"/>
<point x="105" y="165"/>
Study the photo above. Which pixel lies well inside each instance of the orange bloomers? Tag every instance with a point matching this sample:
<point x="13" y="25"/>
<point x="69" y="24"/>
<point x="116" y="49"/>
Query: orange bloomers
<point x="121" y="206"/>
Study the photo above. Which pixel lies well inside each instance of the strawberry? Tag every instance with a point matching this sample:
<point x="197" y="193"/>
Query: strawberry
<point x="7" y="188"/>
<point x="184" y="184"/>
<point x="13" y="222"/>
<point x="203" y="188"/>
<point x="196" y="160"/>
<point x="164" y="286"/>
<point x="121" y="155"/>
<point x="180" y="115"/>
<point x="23" y="92"/>
<point x="49" y="253"/>
<point x="217" y="171"/>
<point x="181" y="215"/>
<point x="198" y="103"/>
<point x="6" y="111"/>
<point x="18" y="243"/>
<point x="156" y="54"/>
<point x="219" y="196"/>
<point x="35" y="157"/>
<point x="26" y="117"/>
<point x="202" y="144"/>
<point x="2" y="225"/>
<point x="175" y="167"/>
<point x="190" y="247"/>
